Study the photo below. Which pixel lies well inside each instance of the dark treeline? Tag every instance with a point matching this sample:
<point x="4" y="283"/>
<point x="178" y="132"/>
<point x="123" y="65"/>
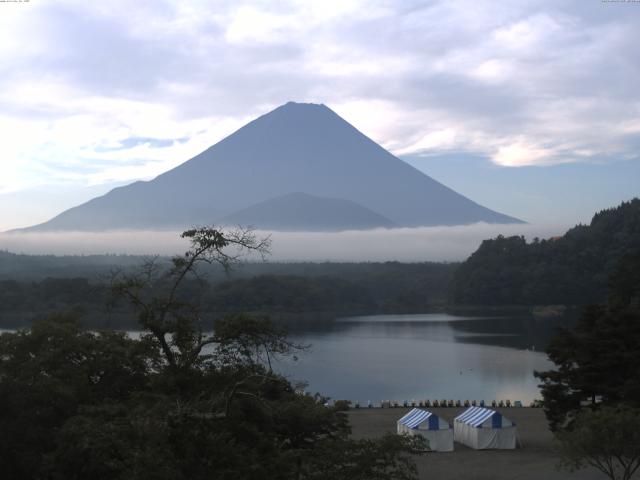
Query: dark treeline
<point x="37" y="267"/>
<point x="572" y="269"/>
<point x="23" y="267"/>
<point x="281" y="290"/>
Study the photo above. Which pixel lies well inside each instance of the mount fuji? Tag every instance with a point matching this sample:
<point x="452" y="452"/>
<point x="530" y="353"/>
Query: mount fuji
<point x="299" y="167"/>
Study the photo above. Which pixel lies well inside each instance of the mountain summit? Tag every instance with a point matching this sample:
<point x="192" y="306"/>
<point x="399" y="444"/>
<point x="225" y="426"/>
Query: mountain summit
<point x="296" y="148"/>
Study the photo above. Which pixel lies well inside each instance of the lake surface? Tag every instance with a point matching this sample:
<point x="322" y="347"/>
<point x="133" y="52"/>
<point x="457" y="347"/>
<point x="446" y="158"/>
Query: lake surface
<point x="430" y="356"/>
<point x="427" y="356"/>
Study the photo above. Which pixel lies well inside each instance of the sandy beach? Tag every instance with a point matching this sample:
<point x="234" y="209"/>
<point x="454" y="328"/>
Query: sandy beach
<point x="536" y="460"/>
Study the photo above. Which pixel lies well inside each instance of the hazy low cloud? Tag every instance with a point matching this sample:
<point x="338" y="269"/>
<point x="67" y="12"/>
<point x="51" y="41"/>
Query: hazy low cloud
<point x="405" y="244"/>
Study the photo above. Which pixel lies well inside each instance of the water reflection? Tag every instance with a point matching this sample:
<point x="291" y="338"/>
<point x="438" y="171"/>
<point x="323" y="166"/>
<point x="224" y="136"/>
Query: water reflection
<point x="431" y="356"/>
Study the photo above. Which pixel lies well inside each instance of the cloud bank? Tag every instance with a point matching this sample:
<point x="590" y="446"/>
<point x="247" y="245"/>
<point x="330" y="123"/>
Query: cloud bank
<point x="404" y="244"/>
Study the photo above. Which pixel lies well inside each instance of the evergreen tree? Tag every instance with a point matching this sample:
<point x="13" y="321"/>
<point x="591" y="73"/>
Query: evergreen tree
<point x="597" y="361"/>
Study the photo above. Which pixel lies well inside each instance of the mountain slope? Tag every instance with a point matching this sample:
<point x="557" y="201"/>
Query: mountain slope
<point x="294" y="148"/>
<point x="300" y="211"/>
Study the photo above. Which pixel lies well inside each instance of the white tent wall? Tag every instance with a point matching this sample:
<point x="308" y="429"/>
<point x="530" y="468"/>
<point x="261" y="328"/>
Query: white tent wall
<point x="439" y="436"/>
<point x="439" y="440"/>
<point x="485" y="435"/>
<point x="482" y="438"/>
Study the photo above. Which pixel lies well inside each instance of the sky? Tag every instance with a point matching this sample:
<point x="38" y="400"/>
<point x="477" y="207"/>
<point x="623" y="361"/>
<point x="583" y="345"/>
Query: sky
<point x="531" y="108"/>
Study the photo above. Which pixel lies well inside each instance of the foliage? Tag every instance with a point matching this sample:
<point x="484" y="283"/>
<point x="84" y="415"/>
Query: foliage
<point x="178" y="402"/>
<point x="597" y="361"/>
<point x="280" y="290"/>
<point x="289" y="293"/>
<point x="592" y="398"/>
<point x="607" y="439"/>
<point x="572" y="269"/>
<point x="625" y="283"/>
<point x="49" y="372"/>
<point x="365" y="459"/>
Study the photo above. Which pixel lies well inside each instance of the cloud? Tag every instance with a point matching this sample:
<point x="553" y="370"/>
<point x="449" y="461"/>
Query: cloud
<point x="404" y="244"/>
<point x="520" y="154"/>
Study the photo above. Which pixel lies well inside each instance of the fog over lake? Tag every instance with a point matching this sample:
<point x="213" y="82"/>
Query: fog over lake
<point x="446" y="243"/>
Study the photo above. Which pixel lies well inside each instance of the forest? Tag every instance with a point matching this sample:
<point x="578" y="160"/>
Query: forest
<point x="569" y="270"/>
<point x="284" y="291"/>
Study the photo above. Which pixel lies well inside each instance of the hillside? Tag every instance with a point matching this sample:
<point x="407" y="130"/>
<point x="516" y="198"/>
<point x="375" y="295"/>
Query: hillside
<point x="572" y="269"/>
<point x="303" y="148"/>
<point x="300" y="211"/>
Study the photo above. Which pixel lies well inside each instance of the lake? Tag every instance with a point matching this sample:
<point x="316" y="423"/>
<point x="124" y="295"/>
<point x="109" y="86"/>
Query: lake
<point x="429" y="356"/>
<point x="426" y="356"/>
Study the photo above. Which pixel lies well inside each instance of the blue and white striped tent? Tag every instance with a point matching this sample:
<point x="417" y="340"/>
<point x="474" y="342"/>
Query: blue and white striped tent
<point x="437" y="431"/>
<point x="483" y="428"/>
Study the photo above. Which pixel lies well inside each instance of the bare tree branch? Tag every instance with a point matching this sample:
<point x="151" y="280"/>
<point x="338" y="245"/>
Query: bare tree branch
<point x="154" y="294"/>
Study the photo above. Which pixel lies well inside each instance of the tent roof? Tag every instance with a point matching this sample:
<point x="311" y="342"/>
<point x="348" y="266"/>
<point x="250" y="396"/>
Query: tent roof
<point x="475" y="416"/>
<point x="415" y="417"/>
